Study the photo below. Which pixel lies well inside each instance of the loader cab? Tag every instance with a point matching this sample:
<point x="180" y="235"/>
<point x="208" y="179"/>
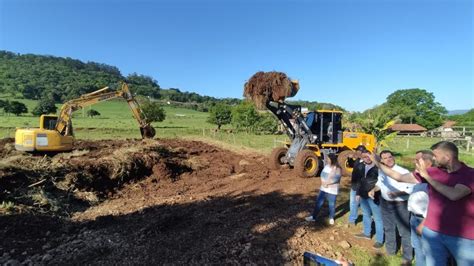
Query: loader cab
<point x="327" y="125"/>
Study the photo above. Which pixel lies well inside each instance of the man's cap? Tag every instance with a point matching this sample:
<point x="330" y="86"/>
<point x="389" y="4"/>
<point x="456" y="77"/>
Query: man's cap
<point x="361" y="148"/>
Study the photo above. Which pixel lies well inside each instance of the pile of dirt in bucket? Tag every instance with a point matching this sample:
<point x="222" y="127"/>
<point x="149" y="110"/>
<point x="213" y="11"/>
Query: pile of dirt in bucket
<point x="269" y="86"/>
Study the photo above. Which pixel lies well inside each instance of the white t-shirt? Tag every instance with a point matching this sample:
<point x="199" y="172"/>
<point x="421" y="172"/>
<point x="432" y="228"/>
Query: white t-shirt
<point x="387" y="184"/>
<point x="418" y="200"/>
<point x="334" y="188"/>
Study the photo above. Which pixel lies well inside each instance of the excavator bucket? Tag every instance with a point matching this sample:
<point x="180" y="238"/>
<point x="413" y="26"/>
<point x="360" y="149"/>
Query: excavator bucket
<point x="148" y="132"/>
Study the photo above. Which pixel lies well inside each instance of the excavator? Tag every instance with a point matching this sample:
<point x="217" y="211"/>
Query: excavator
<point x="55" y="133"/>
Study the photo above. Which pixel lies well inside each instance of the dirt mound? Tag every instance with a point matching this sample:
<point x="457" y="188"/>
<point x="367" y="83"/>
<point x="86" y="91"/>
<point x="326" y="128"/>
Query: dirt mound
<point x="68" y="182"/>
<point x="269" y="86"/>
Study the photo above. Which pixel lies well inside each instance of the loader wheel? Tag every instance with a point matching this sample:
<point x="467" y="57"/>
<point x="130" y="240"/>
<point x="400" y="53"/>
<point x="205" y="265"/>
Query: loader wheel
<point x="276" y="158"/>
<point x="306" y="163"/>
<point x="346" y="160"/>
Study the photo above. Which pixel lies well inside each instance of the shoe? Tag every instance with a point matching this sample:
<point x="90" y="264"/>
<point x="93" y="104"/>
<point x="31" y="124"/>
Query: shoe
<point x="331" y="221"/>
<point x="361" y="235"/>
<point x="405" y="263"/>
<point x="377" y="245"/>
<point x="310" y="219"/>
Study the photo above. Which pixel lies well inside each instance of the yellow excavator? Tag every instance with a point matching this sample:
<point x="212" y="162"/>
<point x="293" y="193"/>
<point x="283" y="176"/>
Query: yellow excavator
<point x="55" y="133"/>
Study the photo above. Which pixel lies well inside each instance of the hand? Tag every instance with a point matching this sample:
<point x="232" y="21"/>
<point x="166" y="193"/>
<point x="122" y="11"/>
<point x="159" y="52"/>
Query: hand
<point x="371" y="194"/>
<point x="421" y="168"/>
<point x="357" y="198"/>
<point x="419" y="228"/>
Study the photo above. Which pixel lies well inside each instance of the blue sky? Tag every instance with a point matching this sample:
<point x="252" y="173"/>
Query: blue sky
<point x="350" y="53"/>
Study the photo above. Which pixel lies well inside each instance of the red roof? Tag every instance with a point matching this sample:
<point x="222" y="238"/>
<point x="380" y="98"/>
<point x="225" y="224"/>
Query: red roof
<point x="407" y="127"/>
<point x="449" y="123"/>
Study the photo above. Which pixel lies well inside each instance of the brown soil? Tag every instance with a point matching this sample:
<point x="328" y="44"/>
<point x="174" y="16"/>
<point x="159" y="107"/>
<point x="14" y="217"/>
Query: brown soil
<point x="268" y="86"/>
<point x="160" y="202"/>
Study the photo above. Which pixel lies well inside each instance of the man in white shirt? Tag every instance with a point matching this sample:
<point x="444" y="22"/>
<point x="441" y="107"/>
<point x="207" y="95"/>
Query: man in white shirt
<point x="394" y="208"/>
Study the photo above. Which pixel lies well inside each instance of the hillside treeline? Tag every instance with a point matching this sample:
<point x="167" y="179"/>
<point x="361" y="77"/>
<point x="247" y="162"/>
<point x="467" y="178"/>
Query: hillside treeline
<point x="59" y="79"/>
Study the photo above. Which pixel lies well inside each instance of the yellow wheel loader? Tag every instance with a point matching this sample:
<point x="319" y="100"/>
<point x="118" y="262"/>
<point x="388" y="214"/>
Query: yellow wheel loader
<point x="312" y="136"/>
<point x="55" y="133"/>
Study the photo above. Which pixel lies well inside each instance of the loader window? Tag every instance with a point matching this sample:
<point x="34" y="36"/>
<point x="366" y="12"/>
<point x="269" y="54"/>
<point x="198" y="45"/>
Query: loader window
<point x="49" y="123"/>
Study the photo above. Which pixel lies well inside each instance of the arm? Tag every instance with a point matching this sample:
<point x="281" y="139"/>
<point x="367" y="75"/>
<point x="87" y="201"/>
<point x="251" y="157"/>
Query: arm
<point x="372" y="192"/>
<point x="332" y="175"/>
<point x="457" y="192"/>
<point x="407" y="178"/>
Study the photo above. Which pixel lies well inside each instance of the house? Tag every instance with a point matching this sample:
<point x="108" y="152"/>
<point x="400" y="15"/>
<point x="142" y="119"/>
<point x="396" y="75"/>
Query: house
<point x="408" y="129"/>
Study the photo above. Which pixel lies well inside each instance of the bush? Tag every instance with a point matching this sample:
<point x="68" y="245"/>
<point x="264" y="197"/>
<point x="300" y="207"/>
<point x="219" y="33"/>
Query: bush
<point x="15" y="108"/>
<point x="153" y="111"/>
<point x="92" y="113"/>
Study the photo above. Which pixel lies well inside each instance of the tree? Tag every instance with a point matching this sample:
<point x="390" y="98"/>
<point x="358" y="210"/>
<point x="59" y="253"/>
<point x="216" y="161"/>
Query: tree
<point x="266" y="124"/>
<point x="416" y="106"/>
<point x="219" y="115"/>
<point x="143" y="85"/>
<point x="15" y="108"/>
<point x="377" y="121"/>
<point x="91" y="113"/>
<point x="245" y="117"/>
<point x="153" y="111"/>
<point x="44" y="106"/>
<point x="32" y="92"/>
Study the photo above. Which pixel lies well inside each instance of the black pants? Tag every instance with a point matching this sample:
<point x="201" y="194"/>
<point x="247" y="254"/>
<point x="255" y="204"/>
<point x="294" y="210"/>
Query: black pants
<point x="395" y="216"/>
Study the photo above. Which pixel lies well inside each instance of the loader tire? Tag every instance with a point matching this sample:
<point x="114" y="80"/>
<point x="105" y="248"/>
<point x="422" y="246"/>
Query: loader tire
<point x="306" y="163"/>
<point x="275" y="162"/>
<point x="346" y="160"/>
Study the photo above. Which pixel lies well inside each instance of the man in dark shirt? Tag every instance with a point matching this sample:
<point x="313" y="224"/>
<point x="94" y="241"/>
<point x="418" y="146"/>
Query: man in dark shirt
<point x="370" y="206"/>
<point x="358" y="173"/>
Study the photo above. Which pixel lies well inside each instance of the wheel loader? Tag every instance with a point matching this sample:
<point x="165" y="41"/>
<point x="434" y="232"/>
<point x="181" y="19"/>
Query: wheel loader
<point x="312" y="136"/>
<point x="55" y="133"/>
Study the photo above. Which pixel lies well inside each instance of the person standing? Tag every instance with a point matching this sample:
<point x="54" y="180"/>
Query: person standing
<point x="393" y="205"/>
<point x="370" y="206"/>
<point x="448" y="226"/>
<point x="330" y="178"/>
<point x="358" y="173"/>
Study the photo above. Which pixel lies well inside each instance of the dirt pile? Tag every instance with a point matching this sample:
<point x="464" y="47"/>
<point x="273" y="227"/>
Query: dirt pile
<point x="269" y="86"/>
<point x="68" y="182"/>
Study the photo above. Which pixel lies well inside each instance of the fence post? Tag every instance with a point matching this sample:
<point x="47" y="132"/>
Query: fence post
<point x="408" y="143"/>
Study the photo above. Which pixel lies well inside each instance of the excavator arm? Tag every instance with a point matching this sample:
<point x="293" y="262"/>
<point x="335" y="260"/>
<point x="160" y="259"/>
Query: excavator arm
<point x="63" y="125"/>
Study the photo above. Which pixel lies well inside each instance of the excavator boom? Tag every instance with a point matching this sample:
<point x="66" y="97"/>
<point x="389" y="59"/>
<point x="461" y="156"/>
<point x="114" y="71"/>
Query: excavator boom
<point x="104" y="94"/>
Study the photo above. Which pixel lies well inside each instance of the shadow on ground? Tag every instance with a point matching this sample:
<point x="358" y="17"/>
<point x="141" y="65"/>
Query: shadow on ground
<point x="236" y="229"/>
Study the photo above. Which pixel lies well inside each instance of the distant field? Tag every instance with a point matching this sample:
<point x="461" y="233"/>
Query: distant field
<point x="116" y="122"/>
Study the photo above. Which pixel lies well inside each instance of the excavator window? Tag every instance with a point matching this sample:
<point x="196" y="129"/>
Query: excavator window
<point x="50" y="123"/>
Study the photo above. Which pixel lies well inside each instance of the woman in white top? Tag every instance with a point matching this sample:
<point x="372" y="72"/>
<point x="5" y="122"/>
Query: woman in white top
<point x="330" y="177"/>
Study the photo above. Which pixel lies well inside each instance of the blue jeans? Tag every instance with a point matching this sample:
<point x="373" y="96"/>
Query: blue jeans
<point x="438" y="246"/>
<point x="395" y="216"/>
<point x="369" y="210"/>
<point x="353" y="207"/>
<point x="416" y="240"/>
<point x="320" y="201"/>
